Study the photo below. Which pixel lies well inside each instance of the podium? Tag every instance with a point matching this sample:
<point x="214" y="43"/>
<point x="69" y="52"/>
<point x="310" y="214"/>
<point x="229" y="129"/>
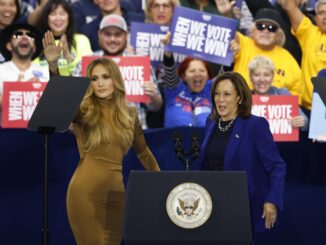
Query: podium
<point x="146" y="220"/>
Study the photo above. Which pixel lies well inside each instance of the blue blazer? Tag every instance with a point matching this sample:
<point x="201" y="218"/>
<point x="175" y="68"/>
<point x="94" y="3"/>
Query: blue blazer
<point x="251" y="148"/>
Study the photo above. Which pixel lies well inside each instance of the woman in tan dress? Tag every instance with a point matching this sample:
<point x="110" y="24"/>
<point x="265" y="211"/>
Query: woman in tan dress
<point x="105" y="128"/>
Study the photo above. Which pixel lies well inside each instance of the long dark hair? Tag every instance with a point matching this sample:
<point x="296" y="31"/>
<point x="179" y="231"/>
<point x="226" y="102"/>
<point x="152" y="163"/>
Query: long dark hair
<point x="18" y="14"/>
<point x="44" y="23"/>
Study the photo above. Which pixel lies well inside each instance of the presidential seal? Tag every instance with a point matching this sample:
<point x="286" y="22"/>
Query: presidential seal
<point x="189" y="205"/>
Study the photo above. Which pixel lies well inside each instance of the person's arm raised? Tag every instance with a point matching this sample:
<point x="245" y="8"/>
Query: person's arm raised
<point x="293" y="11"/>
<point x="52" y="52"/>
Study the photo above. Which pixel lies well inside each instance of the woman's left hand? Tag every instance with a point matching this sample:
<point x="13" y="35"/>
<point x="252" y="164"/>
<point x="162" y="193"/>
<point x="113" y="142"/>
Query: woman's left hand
<point x="270" y="214"/>
<point x="65" y="48"/>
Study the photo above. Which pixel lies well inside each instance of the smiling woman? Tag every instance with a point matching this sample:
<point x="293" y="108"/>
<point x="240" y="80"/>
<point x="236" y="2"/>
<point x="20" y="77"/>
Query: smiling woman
<point x="105" y="128"/>
<point x="187" y="95"/>
<point x="235" y="140"/>
<point x="9" y="12"/>
<point x="57" y="16"/>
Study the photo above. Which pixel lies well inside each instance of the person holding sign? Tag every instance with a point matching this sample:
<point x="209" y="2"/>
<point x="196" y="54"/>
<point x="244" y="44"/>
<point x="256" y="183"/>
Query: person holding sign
<point x="20" y="44"/>
<point x="267" y="38"/>
<point x="187" y="92"/>
<point x="105" y="128"/>
<point x="236" y="140"/>
<point x="261" y="72"/>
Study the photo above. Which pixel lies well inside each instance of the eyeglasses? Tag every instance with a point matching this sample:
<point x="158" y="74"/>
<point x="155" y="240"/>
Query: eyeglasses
<point x="20" y="34"/>
<point x="165" y="6"/>
<point x="268" y="27"/>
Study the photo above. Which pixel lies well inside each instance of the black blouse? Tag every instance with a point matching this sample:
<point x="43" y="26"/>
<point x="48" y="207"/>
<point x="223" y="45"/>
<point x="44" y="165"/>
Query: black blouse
<point x="216" y="147"/>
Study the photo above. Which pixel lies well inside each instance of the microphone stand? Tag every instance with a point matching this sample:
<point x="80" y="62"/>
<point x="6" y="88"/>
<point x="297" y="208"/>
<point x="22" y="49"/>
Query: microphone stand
<point x="186" y="156"/>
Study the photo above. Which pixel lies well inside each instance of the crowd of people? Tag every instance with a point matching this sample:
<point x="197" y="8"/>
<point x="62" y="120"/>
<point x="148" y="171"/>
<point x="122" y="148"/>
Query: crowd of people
<point x="277" y="53"/>
<point x="178" y="93"/>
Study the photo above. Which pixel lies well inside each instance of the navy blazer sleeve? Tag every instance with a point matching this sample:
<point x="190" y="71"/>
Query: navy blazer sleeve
<point x="270" y="159"/>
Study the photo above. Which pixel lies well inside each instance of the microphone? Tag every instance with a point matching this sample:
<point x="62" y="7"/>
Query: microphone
<point x="195" y="147"/>
<point x="178" y="144"/>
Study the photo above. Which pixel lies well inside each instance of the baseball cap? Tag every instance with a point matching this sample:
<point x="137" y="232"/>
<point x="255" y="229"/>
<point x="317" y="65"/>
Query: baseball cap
<point x="113" y="20"/>
<point x="270" y="15"/>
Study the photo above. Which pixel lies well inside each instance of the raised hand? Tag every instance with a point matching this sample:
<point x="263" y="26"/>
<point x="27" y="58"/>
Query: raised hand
<point x="52" y="52"/>
<point x="65" y="48"/>
<point x="166" y="41"/>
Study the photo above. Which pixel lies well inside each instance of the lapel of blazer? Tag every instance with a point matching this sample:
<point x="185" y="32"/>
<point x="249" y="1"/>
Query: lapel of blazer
<point x="208" y="135"/>
<point x="233" y="145"/>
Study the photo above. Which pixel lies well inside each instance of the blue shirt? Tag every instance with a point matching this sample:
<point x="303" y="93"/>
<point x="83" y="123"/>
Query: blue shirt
<point x="184" y="108"/>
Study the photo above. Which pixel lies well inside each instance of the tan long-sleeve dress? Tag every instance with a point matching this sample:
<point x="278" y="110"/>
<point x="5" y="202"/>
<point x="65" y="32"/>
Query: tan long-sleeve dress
<point x="95" y="197"/>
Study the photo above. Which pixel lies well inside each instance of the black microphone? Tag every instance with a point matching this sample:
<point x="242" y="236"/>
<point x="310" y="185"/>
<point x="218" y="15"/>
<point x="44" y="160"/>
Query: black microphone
<point x="195" y="147"/>
<point x="178" y="144"/>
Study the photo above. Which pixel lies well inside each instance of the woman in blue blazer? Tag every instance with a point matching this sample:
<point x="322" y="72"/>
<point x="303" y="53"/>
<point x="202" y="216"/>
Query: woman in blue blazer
<point x="235" y="140"/>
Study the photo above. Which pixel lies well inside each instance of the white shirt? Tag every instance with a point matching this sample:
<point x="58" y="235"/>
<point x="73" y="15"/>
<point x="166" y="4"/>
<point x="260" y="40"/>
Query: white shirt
<point x="10" y="73"/>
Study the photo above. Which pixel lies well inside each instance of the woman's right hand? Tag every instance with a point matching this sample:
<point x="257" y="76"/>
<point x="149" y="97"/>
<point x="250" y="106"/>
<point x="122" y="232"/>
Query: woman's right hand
<point x="52" y="52"/>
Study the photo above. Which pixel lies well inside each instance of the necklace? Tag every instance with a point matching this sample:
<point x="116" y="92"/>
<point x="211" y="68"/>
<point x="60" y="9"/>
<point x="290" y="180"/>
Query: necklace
<point x="226" y="128"/>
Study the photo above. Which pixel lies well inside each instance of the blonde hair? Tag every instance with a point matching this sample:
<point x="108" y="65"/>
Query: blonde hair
<point x="148" y="12"/>
<point x="94" y="129"/>
<point x="261" y="61"/>
<point x="318" y="3"/>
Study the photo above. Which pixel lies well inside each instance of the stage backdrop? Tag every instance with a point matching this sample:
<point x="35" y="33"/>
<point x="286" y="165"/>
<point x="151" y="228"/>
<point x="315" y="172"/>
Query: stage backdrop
<point x="21" y="176"/>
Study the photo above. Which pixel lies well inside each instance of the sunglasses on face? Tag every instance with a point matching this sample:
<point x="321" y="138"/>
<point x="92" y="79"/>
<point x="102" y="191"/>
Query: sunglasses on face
<point x="268" y="27"/>
<point x="20" y="34"/>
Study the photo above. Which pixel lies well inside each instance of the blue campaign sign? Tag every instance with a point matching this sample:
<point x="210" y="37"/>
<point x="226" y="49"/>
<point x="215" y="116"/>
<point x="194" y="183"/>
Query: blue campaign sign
<point x="238" y="3"/>
<point x="202" y="35"/>
<point x="146" y="40"/>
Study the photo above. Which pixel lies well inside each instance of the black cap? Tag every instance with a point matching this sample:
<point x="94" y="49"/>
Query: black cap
<point x="270" y="15"/>
<point x="9" y="30"/>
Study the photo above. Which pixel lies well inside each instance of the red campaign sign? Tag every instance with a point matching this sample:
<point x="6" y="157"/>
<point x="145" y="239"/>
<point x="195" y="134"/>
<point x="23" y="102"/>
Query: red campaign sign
<point x="19" y="101"/>
<point x="278" y="109"/>
<point x="134" y="69"/>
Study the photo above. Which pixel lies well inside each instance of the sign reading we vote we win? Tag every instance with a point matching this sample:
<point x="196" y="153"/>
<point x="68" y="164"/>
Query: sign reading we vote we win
<point x="19" y="102"/>
<point x="202" y="35"/>
<point x="146" y="39"/>
<point x="135" y="70"/>
<point x="278" y="109"/>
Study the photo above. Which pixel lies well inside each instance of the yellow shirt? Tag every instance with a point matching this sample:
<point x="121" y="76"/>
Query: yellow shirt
<point x="287" y="71"/>
<point x="313" y="45"/>
<point x="83" y="48"/>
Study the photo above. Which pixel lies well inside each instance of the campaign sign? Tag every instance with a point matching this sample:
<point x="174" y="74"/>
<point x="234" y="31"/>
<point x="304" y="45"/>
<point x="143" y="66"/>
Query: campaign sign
<point x="135" y="70"/>
<point x="19" y="101"/>
<point x="317" y="126"/>
<point x="278" y="109"/>
<point x="202" y="35"/>
<point x="146" y="40"/>
<point x="238" y="3"/>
